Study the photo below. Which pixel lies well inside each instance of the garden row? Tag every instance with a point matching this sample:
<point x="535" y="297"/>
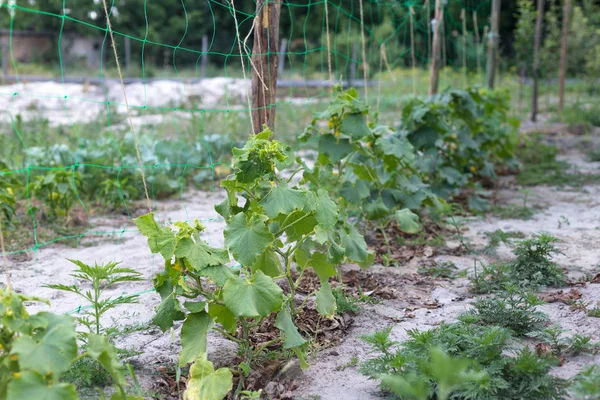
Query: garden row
<point x="284" y="218"/>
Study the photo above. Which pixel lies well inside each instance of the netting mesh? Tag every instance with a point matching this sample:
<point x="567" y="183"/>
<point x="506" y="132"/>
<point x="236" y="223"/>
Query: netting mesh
<point x="67" y="146"/>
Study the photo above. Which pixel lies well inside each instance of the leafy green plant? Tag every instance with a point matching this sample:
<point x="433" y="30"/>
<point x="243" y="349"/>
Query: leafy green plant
<point x="562" y="346"/>
<point x="512" y="308"/>
<point x="368" y="169"/>
<point x="9" y="187"/>
<point x="446" y="269"/>
<point x="407" y="368"/>
<point x="276" y="224"/>
<point x="461" y="135"/>
<point x="344" y="302"/>
<point x="586" y="384"/>
<point x="57" y="189"/>
<point x="593" y="312"/>
<point x="532" y="267"/>
<point x="115" y="193"/>
<point x="101" y="277"/>
<point x="443" y="376"/>
<point x="488" y="278"/>
<point x="539" y="166"/>
<point x="499" y="236"/>
<point x="37" y="350"/>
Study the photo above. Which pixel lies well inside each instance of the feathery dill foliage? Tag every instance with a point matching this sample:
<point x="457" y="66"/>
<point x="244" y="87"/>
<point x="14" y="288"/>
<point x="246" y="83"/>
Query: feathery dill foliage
<point x="512" y="308"/>
<point x="532" y="267"/>
<point x="411" y="370"/>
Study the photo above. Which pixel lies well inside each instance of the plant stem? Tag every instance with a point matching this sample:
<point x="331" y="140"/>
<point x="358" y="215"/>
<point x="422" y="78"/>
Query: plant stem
<point x="247" y="356"/>
<point x="96" y="284"/>
<point x="385" y="237"/>
<point x="228" y="335"/>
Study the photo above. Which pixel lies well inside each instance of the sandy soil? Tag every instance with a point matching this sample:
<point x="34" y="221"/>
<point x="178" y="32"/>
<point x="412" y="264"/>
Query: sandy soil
<point x="571" y="215"/>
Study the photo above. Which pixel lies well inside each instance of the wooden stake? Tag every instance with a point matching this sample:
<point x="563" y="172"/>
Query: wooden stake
<point x="204" y="57"/>
<point x="435" y="64"/>
<point x="493" y="44"/>
<point x="428" y="21"/>
<point x="265" y="60"/>
<point x="477" y="42"/>
<point x="464" y="34"/>
<point x="412" y="50"/>
<point x="539" y="21"/>
<point x="563" y="54"/>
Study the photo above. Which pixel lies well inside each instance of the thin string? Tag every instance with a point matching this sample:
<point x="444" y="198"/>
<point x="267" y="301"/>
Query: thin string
<point x="412" y="50"/>
<point x="135" y="141"/>
<point x="364" y="50"/>
<point x="237" y="33"/>
<point x="328" y="45"/>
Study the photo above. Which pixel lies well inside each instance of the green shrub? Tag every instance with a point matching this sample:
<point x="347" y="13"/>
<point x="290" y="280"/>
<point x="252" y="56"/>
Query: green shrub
<point x="512" y="308"/>
<point x="409" y="369"/>
<point x="461" y="136"/>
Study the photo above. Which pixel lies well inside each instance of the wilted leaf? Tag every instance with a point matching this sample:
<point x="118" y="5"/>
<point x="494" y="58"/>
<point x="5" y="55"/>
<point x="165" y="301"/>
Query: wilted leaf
<point x="407" y="221"/>
<point x="207" y="384"/>
<point x="292" y="337"/>
<point x="193" y="337"/>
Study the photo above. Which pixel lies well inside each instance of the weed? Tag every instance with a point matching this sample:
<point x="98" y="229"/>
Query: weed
<point x="101" y="277"/>
<point x="499" y="236"/>
<point x="593" y="312"/>
<point x="87" y="373"/>
<point x="446" y="269"/>
<point x="540" y="167"/>
<point x="489" y="278"/>
<point x="512" y="211"/>
<point x="422" y="239"/>
<point x="562" y="220"/>
<point x="512" y="308"/>
<point x="345" y="303"/>
<point x="586" y="385"/>
<point x="533" y="265"/>
<point x="493" y="374"/>
<point x="353" y="362"/>
<point x="532" y="268"/>
<point x="561" y="346"/>
<point x="594" y="155"/>
<point x="580" y="114"/>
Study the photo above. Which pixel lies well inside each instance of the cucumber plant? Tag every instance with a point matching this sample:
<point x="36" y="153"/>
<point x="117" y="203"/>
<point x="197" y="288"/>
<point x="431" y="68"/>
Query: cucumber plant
<point x="57" y="189"/>
<point x="368" y="168"/>
<point x="461" y="135"/>
<point x="275" y="231"/>
<point x="9" y="187"/>
<point x="37" y="350"/>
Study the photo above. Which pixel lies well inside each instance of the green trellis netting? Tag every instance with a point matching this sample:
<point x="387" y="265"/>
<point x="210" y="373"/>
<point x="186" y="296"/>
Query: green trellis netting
<point x="67" y="153"/>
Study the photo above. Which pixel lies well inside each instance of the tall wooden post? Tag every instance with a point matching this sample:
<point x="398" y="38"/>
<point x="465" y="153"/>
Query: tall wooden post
<point x="282" y="50"/>
<point x="204" y="58"/>
<point x="264" y="63"/>
<point x="127" y="53"/>
<point x="463" y="16"/>
<point x="536" y="58"/>
<point x="477" y="42"/>
<point x="435" y="64"/>
<point x="5" y="57"/>
<point x="353" y="62"/>
<point x="412" y="51"/>
<point x="492" y="56"/>
<point x="563" y="54"/>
